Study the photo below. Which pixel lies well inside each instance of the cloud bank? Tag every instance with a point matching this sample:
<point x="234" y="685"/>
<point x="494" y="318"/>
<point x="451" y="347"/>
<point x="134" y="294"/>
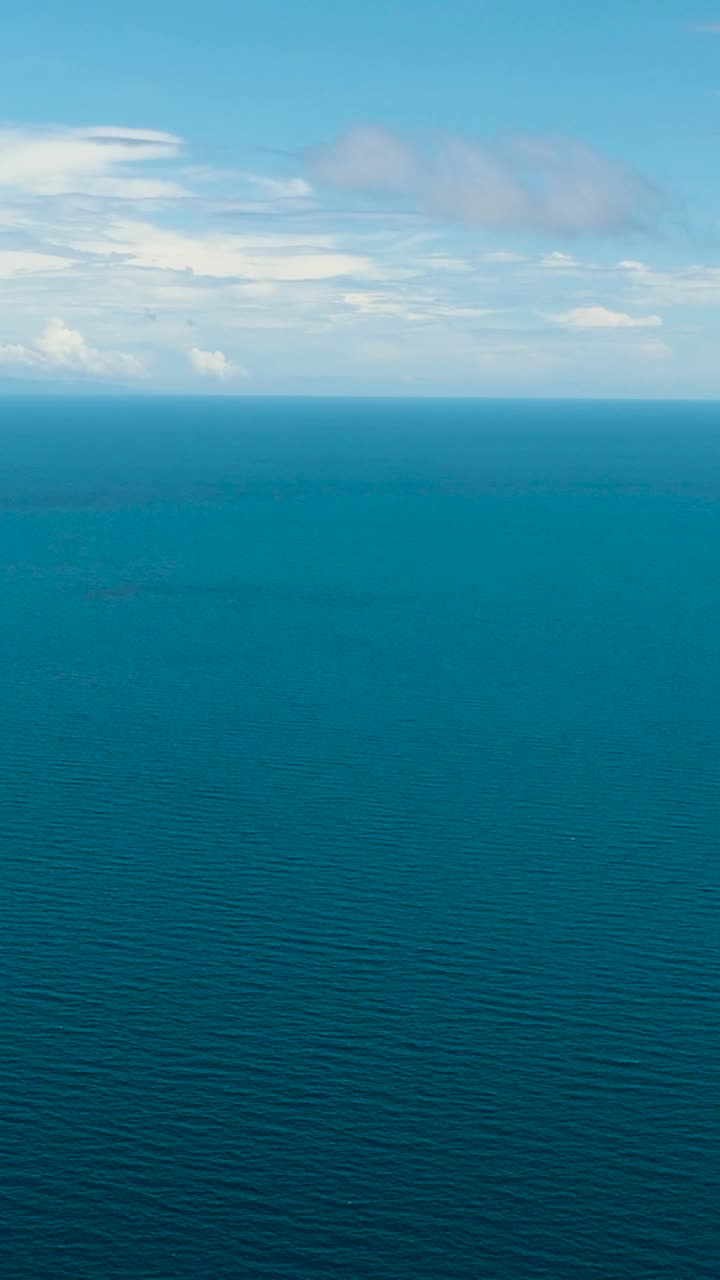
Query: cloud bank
<point x="526" y="184"/>
<point x="321" y="292"/>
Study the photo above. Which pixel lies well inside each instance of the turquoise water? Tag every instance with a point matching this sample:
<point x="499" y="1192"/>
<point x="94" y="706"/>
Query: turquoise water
<point x="359" y="806"/>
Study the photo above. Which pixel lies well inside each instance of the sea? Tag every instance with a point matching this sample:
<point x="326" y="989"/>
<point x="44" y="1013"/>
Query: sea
<point x="359" y="816"/>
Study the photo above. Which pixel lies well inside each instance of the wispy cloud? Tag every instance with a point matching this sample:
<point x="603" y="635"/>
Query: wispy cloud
<point x="525" y="184"/>
<point x="269" y="257"/>
<point x="24" y="262"/>
<point x="98" y="161"/>
<point x="695" y="285"/>
<point x="557" y="261"/>
<point x="412" y="308"/>
<point x="604" y="318"/>
<point x="281" y="188"/>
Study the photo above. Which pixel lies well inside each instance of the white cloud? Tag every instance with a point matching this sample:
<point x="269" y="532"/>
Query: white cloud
<point x="502" y="256"/>
<point x="380" y="304"/>
<point x="214" y="364"/>
<point x="557" y="261"/>
<point x="281" y="188"/>
<point x="143" y="244"/>
<point x="60" y="347"/>
<point x="98" y="161"/>
<point x="528" y="183"/>
<point x="604" y="318"/>
<point x="13" y="353"/>
<point x="695" y="285"/>
<point x="445" y="262"/>
<point x="23" y="262"/>
<point x="11" y="218"/>
<point x="410" y="308"/>
<point x="255" y="291"/>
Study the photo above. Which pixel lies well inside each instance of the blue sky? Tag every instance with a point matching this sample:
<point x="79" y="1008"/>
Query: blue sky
<point x="464" y="197"/>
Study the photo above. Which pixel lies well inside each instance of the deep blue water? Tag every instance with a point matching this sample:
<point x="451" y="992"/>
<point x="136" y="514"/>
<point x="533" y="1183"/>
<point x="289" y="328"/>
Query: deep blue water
<point x="359" y="796"/>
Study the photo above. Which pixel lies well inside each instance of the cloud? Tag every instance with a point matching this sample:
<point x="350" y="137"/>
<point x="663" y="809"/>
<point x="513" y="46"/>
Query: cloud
<point x="321" y="280"/>
<point x="419" y="308"/>
<point x="19" y="262"/>
<point x="708" y="28"/>
<point x="381" y="304"/>
<point x="502" y="256"/>
<point x="281" y="188"/>
<point x="691" y="286"/>
<point x="268" y="257"/>
<point x="445" y="262"/>
<point x="60" y="347"/>
<point x="97" y="161"/>
<point x="214" y="364"/>
<point x="13" y="353"/>
<point x="556" y="261"/>
<point x="604" y="318"/>
<point x="525" y="184"/>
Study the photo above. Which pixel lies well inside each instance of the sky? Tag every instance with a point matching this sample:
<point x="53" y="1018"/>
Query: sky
<point x="402" y="197"/>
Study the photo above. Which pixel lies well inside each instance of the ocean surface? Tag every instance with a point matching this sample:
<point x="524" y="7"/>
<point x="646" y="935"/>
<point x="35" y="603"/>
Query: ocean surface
<point x="360" y="814"/>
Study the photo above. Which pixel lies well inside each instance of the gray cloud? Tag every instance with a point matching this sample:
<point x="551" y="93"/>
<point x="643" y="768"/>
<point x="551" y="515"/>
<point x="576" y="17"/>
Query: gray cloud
<point x="525" y="184"/>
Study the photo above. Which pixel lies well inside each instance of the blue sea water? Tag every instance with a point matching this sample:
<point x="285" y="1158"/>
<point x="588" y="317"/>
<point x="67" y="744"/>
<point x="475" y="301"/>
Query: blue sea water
<point x="359" y="799"/>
